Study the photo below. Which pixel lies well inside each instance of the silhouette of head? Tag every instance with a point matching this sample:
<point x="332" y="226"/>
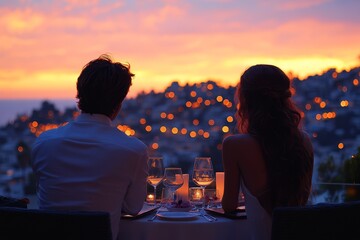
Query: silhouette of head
<point x="102" y="86"/>
<point x="262" y="89"/>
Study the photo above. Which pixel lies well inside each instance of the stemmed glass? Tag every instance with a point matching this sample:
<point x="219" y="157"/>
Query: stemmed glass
<point x="203" y="174"/>
<point x="156" y="173"/>
<point x="173" y="179"/>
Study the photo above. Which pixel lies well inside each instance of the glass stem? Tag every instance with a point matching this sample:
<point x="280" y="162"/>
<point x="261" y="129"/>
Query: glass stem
<point x="203" y="193"/>
<point x="154" y="195"/>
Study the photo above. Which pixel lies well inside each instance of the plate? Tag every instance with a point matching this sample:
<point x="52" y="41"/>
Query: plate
<point x="176" y="209"/>
<point x="143" y="212"/>
<point x="239" y="213"/>
<point x="177" y="215"/>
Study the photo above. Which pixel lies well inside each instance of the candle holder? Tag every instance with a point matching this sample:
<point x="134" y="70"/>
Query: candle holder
<point x="196" y="195"/>
<point x="150" y="198"/>
<point x="211" y="200"/>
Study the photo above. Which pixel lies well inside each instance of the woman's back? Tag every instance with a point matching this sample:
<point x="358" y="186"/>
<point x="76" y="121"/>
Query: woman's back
<point x="243" y="152"/>
<point x="272" y="158"/>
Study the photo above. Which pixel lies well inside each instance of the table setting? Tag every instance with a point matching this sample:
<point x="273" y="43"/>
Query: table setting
<point x="183" y="211"/>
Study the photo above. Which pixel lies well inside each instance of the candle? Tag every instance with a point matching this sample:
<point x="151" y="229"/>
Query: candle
<point x="150" y="198"/>
<point x="183" y="191"/>
<point x="220" y="185"/>
<point x="196" y="194"/>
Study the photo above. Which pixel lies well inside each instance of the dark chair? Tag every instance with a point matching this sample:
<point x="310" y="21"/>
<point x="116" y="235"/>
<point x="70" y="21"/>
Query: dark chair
<point x="19" y="223"/>
<point x="320" y="221"/>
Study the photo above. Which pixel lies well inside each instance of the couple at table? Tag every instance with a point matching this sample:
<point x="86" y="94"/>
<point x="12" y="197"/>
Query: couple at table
<point x="90" y="165"/>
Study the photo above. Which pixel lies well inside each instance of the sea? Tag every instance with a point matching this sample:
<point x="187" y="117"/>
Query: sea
<point x="11" y="108"/>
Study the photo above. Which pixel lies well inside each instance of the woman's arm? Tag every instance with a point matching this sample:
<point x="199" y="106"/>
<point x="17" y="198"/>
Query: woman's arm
<point x="232" y="175"/>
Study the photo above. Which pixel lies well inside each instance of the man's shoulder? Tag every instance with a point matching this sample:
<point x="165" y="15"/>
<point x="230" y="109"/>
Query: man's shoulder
<point x="129" y="142"/>
<point x="48" y="134"/>
<point x="137" y="143"/>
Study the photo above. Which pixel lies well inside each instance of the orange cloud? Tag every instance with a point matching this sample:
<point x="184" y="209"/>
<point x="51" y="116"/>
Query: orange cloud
<point x="163" y="41"/>
<point x="20" y="21"/>
<point x="293" y="5"/>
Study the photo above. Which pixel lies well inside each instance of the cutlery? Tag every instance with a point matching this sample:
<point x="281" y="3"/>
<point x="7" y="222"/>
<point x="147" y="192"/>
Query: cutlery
<point x="207" y="216"/>
<point x="153" y="217"/>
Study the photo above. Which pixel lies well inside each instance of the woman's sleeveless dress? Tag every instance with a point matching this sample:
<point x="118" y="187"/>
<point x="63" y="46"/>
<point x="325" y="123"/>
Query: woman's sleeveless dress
<point x="259" y="219"/>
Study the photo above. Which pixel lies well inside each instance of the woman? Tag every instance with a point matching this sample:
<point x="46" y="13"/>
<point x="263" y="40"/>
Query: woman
<point x="272" y="158"/>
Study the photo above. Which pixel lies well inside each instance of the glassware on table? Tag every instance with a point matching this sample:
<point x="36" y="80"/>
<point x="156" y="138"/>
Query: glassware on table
<point x="196" y="196"/>
<point x="156" y="173"/>
<point x="173" y="180"/>
<point x="203" y="174"/>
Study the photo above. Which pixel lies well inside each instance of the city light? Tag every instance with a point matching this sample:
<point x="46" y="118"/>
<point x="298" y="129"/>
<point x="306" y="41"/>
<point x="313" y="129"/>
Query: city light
<point x="344" y="103"/>
<point x="20" y="149"/>
<point x="174" y="130"/>
<point x="225" y="129"/>
<point x="206" y="135"/>
<point x="230" y="119"/>
<point x="317" y="100"/>
<point x="163" y="115"/>
<point x="126" y="129"/>
<point x="163" y="129"/>
<point x="170" y="116"/>
<point x="170" y="95"/>
<point x="183" y="131"/>
<point x="323" y="104"/>
<point x="341" y="145"/>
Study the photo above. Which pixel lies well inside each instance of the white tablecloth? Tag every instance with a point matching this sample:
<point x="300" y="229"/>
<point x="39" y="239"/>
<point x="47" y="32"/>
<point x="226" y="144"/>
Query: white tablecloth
<point x="197" y="229"/>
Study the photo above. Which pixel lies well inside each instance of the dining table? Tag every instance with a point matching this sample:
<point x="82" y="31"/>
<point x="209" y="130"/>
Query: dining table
<point x="161" y="224"/>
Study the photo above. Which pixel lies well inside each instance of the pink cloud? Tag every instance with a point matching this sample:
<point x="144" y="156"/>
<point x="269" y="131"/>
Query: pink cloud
<point x="20" y="21"/>
<point x="167" y="41"/>
<point x="286" y="5"/>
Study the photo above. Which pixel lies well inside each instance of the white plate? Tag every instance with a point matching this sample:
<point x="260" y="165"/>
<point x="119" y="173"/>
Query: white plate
<point x="177" y="215"/>
<point x="174" y="209"/>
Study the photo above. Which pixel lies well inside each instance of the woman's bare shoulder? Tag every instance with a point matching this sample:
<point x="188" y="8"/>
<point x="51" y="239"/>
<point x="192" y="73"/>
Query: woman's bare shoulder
<point x="239" y="141"/>
<point x="239" y="138"/>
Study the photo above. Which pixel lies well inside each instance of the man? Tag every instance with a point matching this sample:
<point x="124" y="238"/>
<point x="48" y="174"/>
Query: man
<point x="88" y="164"/>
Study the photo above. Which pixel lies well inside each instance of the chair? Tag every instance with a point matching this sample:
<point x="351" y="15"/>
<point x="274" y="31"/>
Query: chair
<point x="19" y="223"/>
<point x="320" y="221"/>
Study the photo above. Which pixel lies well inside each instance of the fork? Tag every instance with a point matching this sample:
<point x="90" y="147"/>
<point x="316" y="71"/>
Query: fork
<point x="153" y="217"/>
<point x="207" y="216"/>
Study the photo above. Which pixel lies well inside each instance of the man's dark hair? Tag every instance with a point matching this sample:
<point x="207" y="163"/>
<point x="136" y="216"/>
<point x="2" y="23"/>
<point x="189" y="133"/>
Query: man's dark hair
<point x="102" y="86"/>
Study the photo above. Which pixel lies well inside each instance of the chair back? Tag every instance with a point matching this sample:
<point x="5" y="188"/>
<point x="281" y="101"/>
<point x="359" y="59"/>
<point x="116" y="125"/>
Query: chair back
<point x="19" y="223"/>
<point x="320" y="221"/>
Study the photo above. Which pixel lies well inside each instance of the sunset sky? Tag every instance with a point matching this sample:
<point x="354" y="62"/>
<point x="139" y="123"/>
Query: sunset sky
<point x="44" y="44"/>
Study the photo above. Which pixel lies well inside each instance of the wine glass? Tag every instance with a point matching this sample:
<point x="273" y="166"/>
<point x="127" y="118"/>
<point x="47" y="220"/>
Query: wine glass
<point x="156" y="173"/>
<point x="203" y="174"/>
<point x="173" y="179"/>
